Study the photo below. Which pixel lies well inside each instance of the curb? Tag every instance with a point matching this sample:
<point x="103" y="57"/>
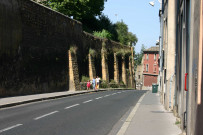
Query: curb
<point x="46" y="98"/>
<point x="56" y="97"/>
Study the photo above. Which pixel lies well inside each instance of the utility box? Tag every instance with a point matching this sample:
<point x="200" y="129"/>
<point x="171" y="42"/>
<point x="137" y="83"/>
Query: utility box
<point x="154" y="88"/>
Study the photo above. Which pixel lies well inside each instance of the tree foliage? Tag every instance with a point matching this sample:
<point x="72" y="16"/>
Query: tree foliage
<point x="138" y="56"/>
<point x="103" y="34"/>
<point x="132" y="39"/>
<point x="105" y="23"/>
<point x="79" y="9"/>
<point x="124" y="36"/>
<point x="100" y="23"/>
<point x="122" y="30"/>
<point x="89" y="12"/>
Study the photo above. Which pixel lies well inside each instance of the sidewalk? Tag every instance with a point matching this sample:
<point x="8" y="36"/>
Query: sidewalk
<point x="152" y="119"/>
<point x="13" y="101"/>
<point x="18" y="100"/>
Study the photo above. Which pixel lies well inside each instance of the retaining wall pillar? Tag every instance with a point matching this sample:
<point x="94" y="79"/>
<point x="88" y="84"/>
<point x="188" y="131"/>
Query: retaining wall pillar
<point x="74" y="83"/>
<point x="133" y="69"/>
<point x="130" y="72"/>
<point x="92" y="71"/>
<point x="124" y="71"/>
<point x="105" y="73"/>
<point x="116" y="72"/>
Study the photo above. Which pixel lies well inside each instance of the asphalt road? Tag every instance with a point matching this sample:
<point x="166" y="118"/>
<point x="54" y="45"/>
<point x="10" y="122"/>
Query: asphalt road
<point x="88" y="114"/>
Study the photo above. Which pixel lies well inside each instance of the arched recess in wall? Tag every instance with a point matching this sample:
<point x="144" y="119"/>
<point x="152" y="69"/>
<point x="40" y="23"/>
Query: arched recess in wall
<point x="110" y="61"/>
<point x="127" y="61"/>
<point x="127" y="69"/>
<point x="83" y="64"/>
<point x="120" y="67"/>
<point x="98" y="66"/>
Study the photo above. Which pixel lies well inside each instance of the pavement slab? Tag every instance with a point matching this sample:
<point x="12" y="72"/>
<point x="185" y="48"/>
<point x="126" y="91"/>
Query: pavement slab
<point x="152" y="119"/>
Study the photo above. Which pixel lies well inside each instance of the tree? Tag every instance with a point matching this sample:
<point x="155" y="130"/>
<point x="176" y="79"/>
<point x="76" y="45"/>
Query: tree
<point x="100" y="23"/>
<point x="125" y="37"/>
<point x="122" y="30"/>
<point x="138" y="56"/>
<point x="132" y="39"/>
<point x="105" y="23"/>
<point x="79" y="9"/>
<point x="89" y="12"/>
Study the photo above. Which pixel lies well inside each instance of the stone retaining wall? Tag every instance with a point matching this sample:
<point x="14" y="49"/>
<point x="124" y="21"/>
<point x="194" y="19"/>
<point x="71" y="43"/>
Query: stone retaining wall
<point x="34" y="41"/>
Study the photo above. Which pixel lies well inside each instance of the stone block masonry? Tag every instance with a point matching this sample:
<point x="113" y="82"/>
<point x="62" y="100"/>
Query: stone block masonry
<point x="131" y="74"/>
<point x="74" y="83"/>
<point x="105" y="72"/>
<point x="92" y="71"/>
<point x="33" y="48"/>
<point x="34" y="44"/>
<point x="116" y="70"/>
<point x="124" y="79"/>
<point x="133" y="68"/>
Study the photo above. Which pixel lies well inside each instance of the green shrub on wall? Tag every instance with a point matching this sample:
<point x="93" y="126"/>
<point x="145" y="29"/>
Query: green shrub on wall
<point x="113" y="84"/>
<point x="103" y="84"/>
<point x="92" y="52"/>
<point x="85" y="79"/>
<point x="123" y="52"/>
<point x="83" y="85"/>
<point x="122" y="85"/>
<point x="73" y="49"/>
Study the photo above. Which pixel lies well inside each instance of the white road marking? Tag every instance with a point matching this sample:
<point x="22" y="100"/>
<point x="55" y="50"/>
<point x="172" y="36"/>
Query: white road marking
<point x="6" y="129"/>
<point x="71" y="106"/>
<point x="106" y="95"/>
<point x="45" y="115"/>
<point x="99" y="98"/>
<point x="118" y="92"/>
<point x="88" y="101"/>
<point x="113" y="94"/>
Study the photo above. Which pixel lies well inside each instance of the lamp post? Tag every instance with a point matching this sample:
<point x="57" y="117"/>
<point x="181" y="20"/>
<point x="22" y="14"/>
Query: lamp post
<point x="152" y="3"/>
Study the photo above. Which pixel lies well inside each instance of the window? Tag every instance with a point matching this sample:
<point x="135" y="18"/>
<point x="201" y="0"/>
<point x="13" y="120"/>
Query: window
<point x="154" y="69"/>
<point x="147" y="67"/>
<point x="138" y="76"/>
<point x="147" y="56"/>
<point x="154" y="56"/>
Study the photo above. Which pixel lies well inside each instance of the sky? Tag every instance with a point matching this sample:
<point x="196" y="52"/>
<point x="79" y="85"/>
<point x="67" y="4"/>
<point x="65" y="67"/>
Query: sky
<point x="142" y="19"/>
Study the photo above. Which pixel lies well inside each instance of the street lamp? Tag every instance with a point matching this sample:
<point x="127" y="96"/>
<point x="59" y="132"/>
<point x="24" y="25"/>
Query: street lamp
<point x="161" y="16"/>
<point x="152" y="3"/>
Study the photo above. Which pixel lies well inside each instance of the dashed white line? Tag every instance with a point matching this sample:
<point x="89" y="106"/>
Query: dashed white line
<point x="45" y="115"/>
<point x="71" y="106"/>
<point x="88" y="101"/>
<point x="99" y="98"/>
<point x="114" y="94"/>
<point x="106" y="95"/>
<point x="9" y="128"/>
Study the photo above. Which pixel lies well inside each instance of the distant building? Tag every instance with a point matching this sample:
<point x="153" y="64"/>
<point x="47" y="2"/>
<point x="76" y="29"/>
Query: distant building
<point x="139" y="76"/>
<point x="150" y="66"/>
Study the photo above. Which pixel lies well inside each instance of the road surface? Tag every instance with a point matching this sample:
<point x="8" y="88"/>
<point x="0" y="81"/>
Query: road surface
<point x="87" y="114"/>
